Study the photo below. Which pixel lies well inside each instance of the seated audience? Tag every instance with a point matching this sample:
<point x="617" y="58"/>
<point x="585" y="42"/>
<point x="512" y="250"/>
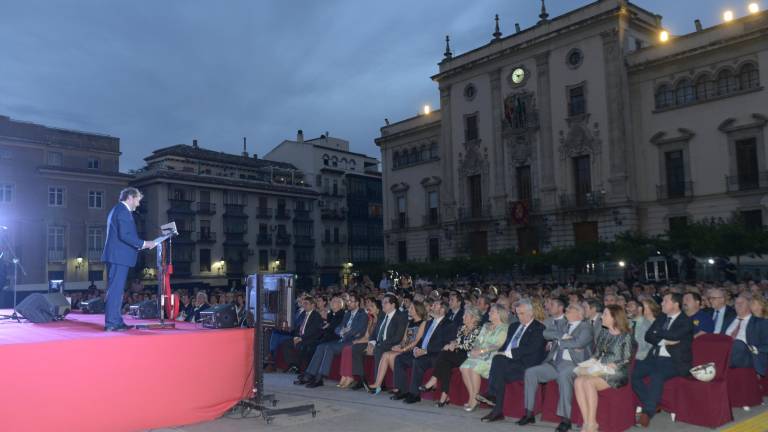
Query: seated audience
<point x="389" y="332"/>
<point x="299" y="350"/>
<point x="478" y="362"/>
<point x="352" y="355"/>
<point x="722" y="314"/>
<point x="750" y="337"/>
<point x="650" y="311"/>
<point x="702" y="321"/>
<point x="614" y="349"/>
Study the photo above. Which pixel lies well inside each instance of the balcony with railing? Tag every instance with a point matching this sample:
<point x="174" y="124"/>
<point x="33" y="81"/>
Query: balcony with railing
<point x="330" y="191"/>
<point x="333" y="214"/>
<point x="334" y="241"/>
<point x="431" y="219"/>
<point x="282" y="213"/>
<point x="302" y="215"/>
<point x="581" y="201"/>
<point x="477" y="213"/>
<point x="235" y="228"/>
<point x="186" y="235"/>
<point x="207" y="208"/>
<point x="400" y="222"/>
<point x="264" y="213"/>
<point x="747" y="183"/>
<point x="205" y="237"/>
<point x="283" y="239"/>
<point x="235" y="211"/>
<point x="264" y="239"/>
<point x="303" y="240"/>
<point x="56" y="255"/>
<point x="94" y="255"/>
<point x="672" y="191"/>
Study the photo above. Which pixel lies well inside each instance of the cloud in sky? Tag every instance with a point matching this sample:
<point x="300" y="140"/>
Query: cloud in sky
<point x="158" y="73"/>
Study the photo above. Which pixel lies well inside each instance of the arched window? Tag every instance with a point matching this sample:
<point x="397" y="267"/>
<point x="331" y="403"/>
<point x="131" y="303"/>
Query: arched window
<point x="705" y="87"/>
<point x="396" y="159"/>
<point x="334" y="162"/>
<point x="326" y="160"/>
<point x="664" y="97"/>
<point x="749" y="76"/>
<point x="433" y="151"/>
<point x="343" y="163"/>
<point x="352" y="164"/>
<point x="414" y="156"/>
<point x="684" y="92"/>
<point x="726" y="82"/>
<point x="423" y="155"/>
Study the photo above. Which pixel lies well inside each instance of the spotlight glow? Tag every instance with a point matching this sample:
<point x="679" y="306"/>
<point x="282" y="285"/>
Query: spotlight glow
<point x="664" y="36"/>
<point x="427" y="109"/>
<point x="753" y="8"/>
<point x="728" y="16"/>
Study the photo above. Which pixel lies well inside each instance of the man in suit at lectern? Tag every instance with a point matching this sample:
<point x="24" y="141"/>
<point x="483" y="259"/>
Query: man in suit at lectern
<point x="120" y="251"/>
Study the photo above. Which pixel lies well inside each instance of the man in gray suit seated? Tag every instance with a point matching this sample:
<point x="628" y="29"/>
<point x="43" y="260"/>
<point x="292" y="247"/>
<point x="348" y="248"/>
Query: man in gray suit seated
<point x="571" y="344"/>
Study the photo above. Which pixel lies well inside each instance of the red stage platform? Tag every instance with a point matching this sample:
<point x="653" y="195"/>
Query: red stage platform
<point x="73" y="376"/>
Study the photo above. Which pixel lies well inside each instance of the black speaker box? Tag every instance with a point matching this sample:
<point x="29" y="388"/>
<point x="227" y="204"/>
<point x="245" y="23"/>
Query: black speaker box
<point x="43" y="308"/>
<point x="219" y="316"/>
<point x="92" y="306"/>
<point x="146" y="309"/>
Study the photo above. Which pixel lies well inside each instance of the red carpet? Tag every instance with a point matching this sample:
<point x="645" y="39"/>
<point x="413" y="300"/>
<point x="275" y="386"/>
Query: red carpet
<point x="73" y="376"/>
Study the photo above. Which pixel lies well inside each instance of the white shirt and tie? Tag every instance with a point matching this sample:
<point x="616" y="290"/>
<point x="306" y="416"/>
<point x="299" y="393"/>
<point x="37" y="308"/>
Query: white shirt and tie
<point x="515" y="341"/>
<point x="663" y="343"/>
<point x="738" y="328"/>
<point x="718" y="316"/>
<point x="430" y="331"/>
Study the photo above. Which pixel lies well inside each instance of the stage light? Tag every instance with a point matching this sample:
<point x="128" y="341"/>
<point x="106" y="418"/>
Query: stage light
<point x="622" y="264"/>
<point x="753" y="8"/>
<point x="427" y="109"/>
<point x="728" y="16"/>
<point x="664" y="36"/>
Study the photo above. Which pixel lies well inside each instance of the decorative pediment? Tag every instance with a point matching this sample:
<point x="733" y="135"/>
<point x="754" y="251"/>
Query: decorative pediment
<point x="661" y="138"/>
<point x="729" y="125"/>
<point x="580" y="139"/>
<point x="399" y="187"/>
<point x="431" y="181"/>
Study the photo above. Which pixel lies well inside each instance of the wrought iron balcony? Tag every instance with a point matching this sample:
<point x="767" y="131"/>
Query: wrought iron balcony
<point x="282" y="213"/>
<point x="303" y="240"/>
<point x="235" y="210"/>
<point x="302" y="214"/>
<point x="332" y="214"/>
<point x="264" y="213"/>
<point x="264" y="239"/>
<point x="582" y="201"/>
<point x="94" y="255"/>
<point x="56" y="255"/>
<point x="206" y="208"/>
<point x="283" y="239"/>
<point x="432" y="219"/>
<point x="400" y="222"/>
<point x="745" y="183"/>
<point x="206" y="237"/>
<point x="474" y="213"/>
<point x="674" y="190"/>
<point x="333" y="241"/>
<point x="236" y="229"/>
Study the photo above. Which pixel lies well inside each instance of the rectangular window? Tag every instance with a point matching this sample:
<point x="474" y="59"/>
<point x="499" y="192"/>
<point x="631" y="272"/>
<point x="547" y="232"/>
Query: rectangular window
<point x="55" y="196"/>
<point x="56" y="243"/>
<point x="577" y="104"/>
<point x="95" y="241"/>
<point x="470" y="128"/>
<point x="327" y="236"/>
<point x="582" y="178"/>
<point x="675" y="167"/>
<point x="95" y="275"/>
<point x="94" y="163"/>
<point x="55" y="158"/>
<point x="336" y="235"/>
<point x="205" y="260"/>
<point x="6" y="193"/>
<point x="746" y="164"/>
<point x="402" y="251"/>
<point x="433" y="207"/>
<point x="281" y="256"/>
<point x="752" y="219"/>
<point x="434" y="249"/>
<point x="263" y="260"/>
<point x="95" y="199"/>
<point x="402" y="215"/>
<point x="523" y="176"/>
<point x="476" y="195"/>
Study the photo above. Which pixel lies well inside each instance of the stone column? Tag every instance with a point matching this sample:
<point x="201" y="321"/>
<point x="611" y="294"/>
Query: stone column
<point x="546" y="143"/>
<point x="447" y="192"/>
<point x="499" y="193"/>
<point x="616" y="100"/>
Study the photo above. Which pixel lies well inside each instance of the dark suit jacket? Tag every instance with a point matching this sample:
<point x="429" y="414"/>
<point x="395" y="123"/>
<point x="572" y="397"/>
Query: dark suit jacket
<point x="443" y="334"/>
<point x="395" y="330"/>
<point x="681" y="330"/>
<point x="313" y="331"/>
<point x="757" y="336"/>
<point x="358" y="327"/>
<point x="530" y="350"/>
<point x="333" y="320"/>
<point x="123" y="243"/>
<point x="728" y="317"/>
<point x="456" y="318"/>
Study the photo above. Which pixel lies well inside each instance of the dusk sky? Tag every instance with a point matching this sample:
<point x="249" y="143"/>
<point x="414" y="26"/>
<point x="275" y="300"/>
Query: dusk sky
<point x="162" y="72"/>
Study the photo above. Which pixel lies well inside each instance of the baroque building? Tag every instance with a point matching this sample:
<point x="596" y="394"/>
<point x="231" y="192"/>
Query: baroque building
<point x="579" y="128"/>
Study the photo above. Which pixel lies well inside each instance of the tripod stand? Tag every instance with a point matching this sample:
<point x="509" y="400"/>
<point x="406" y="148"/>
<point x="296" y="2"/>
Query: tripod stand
<point x="258" y="399"/>
<point x="16" y="267"/>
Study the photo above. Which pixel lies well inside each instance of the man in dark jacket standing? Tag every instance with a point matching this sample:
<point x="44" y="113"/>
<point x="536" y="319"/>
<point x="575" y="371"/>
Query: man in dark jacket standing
<point x="120" y="253"/>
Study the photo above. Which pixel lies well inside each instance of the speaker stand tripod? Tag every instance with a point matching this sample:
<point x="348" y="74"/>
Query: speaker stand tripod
<point x="258" y="400"/>
<point x="16" y="267"/>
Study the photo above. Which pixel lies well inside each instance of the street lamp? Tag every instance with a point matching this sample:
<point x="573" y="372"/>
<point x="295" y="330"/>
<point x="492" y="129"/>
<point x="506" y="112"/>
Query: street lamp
<point x="78" y="262"/>
<point x="622" y="264"/>
<point x="728" y="16"/>
<point x="664" y="36"/>
<point x="753" y="8"/>
<point x="427" y="110"/>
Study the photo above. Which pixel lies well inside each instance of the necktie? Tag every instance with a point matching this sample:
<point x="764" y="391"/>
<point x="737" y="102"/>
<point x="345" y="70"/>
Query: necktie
<point x="558" y="352"/>
<point x="304" y="325"/>
<point x="666" y="323"/>
<point x="516" y="337"/>
<point x="381" y="335"/>
<point x="349" y="322"/>
<point x="717" y="314"/>
<point x="425" y="343"/>
<point x="735" y="331"/>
